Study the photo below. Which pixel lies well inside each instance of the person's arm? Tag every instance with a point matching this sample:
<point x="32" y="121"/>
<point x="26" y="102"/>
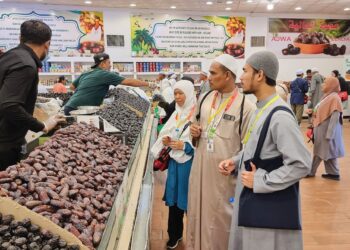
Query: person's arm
<point x="75" y="84"/>
<point x="332" y="124"/>
<point x="296" y="157"/>
<point x="313" y="85"/>
<point x="134" y="83"/>
<point x="305" y="86"/>
<point x="72" y="87"/>
<point x="14" y="94"/>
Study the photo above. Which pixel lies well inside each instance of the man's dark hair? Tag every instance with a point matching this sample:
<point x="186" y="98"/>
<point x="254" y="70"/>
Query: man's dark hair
<point x="308" y="71"/>
<point x="61" y="79"/>
<point x="35" y="32"/>
<point x="188" y="78"/>
<point x="336" y="73"/>
<point x="269" y="81"/>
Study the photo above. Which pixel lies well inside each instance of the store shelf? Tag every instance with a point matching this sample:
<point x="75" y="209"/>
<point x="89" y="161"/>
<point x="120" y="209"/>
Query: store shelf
<point x="147" y="73"/>
<point x="126" y="73"/>
<point x="191" y="73"/>
<point x="54" y="73"/>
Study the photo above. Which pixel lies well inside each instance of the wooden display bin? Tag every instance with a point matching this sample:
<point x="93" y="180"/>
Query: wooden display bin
<point x="10" y="207"/>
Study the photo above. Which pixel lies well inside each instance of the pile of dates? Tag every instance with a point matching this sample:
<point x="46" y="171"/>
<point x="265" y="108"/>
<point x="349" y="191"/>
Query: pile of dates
<point x="124" y="118"/>
<point x="134" y="101"/>
<point x="312" y="38"/>
<point x="62" y="96"/>
<point x="72" y="180"/>
<point x="291" y="50"/>
<point x="334" y="50"/>
<point x="16" y="235"/>
<point x="235" y="50"/>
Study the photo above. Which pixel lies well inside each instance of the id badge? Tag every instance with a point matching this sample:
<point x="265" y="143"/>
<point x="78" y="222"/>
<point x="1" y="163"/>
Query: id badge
<point x="175" y="134"/>
<point x="205" y="135"/>
<point x="210" y="146"/>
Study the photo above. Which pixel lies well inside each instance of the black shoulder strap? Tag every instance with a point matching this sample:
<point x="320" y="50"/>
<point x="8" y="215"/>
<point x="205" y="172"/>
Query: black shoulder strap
<point x="265" y="128"/>
<point x="198" y="116"/>
<point x="241" y="120"/>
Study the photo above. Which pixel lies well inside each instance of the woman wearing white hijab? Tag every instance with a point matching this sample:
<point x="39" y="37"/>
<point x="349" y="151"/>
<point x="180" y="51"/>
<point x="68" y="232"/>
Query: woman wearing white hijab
<point x="174" y="135"/>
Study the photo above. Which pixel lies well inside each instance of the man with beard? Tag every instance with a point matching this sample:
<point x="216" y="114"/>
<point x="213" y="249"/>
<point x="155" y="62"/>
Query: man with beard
<point x="18" y="90"/>
<point x="218" y="133"/>
<point x="267" y="207"/>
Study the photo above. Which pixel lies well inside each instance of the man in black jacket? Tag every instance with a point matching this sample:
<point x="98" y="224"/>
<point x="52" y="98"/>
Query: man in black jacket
<point x="18" y="90"/>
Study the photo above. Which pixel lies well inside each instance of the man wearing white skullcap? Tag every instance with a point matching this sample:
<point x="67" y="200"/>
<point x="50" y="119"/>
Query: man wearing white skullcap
<point x="274" y="158"/>
<point x="217" y="133"/>
<point x="203" y="80"/>
<point x="298" y="89"/>
<point x="172" y="76"/>
<point x="315" y="88"/>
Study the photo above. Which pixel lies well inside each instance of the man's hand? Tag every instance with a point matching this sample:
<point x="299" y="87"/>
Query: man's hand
<point x="226" y="167"/>
<point x="248" y="177"/>
<point x="179" y="145"/>
<point x="152" y="85"/>
<point x="195" y="130"/>
<point x="309" y="111"/>
<point x="166" y="140"/>
<point x="52" y="122"/>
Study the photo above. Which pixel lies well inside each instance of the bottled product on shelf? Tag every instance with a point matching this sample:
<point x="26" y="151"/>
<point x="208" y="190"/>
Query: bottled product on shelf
<point x="124" y="67"/>
<point x="157" y="66"/>
<point x="56" y="67"/>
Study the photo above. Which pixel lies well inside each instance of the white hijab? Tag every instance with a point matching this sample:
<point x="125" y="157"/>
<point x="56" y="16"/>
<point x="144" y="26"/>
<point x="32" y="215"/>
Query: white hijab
<point x="170" y="126"/>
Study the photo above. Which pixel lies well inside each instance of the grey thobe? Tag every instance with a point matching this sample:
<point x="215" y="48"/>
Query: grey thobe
<point x="283" y="138"/>
<point x="315" y="89"/>
<point x="328" y="144"/>
<point x="205" y="87"/>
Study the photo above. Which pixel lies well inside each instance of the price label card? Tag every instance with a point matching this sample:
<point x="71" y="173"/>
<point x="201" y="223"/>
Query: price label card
<point x="109" y="128"/>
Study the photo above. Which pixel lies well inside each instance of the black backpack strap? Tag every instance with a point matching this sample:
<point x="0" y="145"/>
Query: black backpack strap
<point x="198" y="116"/>
<point x="240" y="121"/>
<point x="265" y="128"/>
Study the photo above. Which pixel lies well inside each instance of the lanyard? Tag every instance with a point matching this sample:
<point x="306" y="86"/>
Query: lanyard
<point x="212" y="124"/>
<point x="181" y="122"/>
<point x="227" y="104"/>
<point x="247" y="136"/>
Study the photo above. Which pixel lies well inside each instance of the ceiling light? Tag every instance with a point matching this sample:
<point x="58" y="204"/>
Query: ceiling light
<point x="347" y="9"/>
<point x="228" y="8"/>
<point x="209" y="3"/>
<point x="88" y="2"/>
<point x="229" y="2"/>
<point x="52" y="13"/>
<point x="173" y="7"/>
<point x="249" y="1"/>
<point x="298" y="8"/>
<point x="132" y="5"/>
<point x="270" y="6"/>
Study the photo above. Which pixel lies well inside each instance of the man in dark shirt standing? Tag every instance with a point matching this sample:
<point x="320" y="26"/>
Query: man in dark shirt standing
<point x="18" y="90"/>
<point x="298" y="90"/>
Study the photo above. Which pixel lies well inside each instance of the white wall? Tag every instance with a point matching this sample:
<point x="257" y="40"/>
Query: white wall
<point x="117" y="22"/>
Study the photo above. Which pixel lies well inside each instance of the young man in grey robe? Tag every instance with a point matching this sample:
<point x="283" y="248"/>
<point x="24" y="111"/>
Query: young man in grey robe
<point x="315" y="88"/>
<point x="283" y="139"/>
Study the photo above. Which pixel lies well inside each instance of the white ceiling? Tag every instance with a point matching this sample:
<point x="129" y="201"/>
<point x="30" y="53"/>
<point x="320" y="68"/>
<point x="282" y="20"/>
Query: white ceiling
<point x="335" y="7"/>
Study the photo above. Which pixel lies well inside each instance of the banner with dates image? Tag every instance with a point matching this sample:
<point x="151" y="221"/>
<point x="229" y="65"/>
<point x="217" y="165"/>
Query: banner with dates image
<point x="74" y="33"/>
<point x="308" y="37"/>
<point x="187" y="36"/>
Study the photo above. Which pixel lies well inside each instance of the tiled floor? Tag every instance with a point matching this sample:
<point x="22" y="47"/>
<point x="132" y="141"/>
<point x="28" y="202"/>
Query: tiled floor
<point x="325" y="208"/>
